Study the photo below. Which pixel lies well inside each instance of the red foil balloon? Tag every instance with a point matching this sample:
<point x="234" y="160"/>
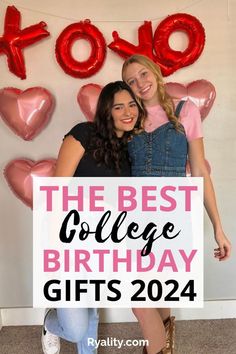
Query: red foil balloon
<point x="81" y="30"/>
<point x="126" y="49"/>
<point x="26" y="112"/>
<point x="87" y="99"/>
<point x="157" y="47"/>
<point x="19" y="175"/>
<point x="171" y="60"/>
<point x="201" y="92"/>
<point x="14" y="40"/>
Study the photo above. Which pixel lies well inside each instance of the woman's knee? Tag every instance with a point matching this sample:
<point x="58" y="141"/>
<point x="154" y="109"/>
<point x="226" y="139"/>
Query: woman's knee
<point x="76" y="333"/>
<point x="140" y="313"/>
<point x="74" y="323"/>
<point x="143" y="314"/>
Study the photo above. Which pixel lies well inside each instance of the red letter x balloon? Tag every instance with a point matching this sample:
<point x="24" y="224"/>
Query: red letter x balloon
<point x="14" y="40"/>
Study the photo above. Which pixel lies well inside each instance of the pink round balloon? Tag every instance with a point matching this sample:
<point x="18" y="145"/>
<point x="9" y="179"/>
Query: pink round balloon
<point x="19" y="174"/>
<point x="201" y="92"/>
<point x="26" y="112"/>
<point x="87" y="99"/>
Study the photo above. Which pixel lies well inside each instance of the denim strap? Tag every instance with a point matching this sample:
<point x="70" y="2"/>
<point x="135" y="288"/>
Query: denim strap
<point x="179" y="107"/>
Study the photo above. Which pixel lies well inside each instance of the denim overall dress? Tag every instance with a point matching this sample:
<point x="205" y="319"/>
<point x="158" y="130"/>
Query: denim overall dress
<point x="161" y="153"/>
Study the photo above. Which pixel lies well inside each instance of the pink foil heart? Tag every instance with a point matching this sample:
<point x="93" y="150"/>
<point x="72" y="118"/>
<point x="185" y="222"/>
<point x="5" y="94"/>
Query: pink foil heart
<point x="26" y="112"/>
<point x="201" y="92"/>
<point x="87" y="99"/>
<point x="19" y="174"/>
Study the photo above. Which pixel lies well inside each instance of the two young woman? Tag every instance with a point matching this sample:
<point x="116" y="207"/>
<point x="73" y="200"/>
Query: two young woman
<point x="161" y="149"/>
<point x="97" y="149"/>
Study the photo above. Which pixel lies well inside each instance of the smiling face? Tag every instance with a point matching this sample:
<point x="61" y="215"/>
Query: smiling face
<point x="143" y="83"/>
<point x="124" y="112"/>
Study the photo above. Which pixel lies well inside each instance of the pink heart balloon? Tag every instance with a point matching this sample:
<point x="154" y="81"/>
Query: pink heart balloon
<point x="19" y="174"/>
<point x="87" y="99"/>
<point x="26" y="112"/>
<point x="201" y="92"/>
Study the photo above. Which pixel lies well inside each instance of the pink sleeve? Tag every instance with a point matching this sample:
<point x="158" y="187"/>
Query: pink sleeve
<point x="191" y="120"/>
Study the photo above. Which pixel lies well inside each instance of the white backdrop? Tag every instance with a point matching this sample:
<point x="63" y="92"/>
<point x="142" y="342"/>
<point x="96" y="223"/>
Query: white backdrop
<point x="216" y="64"/>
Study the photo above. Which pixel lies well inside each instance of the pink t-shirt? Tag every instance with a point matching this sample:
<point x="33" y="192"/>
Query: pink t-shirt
<point x="189" y="117"/>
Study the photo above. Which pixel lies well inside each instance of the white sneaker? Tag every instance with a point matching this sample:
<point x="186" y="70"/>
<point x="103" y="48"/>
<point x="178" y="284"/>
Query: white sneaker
<point x="50" y="342"/>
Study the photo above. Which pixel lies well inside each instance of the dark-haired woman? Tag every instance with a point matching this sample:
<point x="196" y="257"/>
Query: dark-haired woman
<point x="95" y="149"/>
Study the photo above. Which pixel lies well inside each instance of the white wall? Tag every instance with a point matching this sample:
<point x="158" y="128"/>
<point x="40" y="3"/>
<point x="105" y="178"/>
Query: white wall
<point x="216" y="64"/>
<point x="212" y="310"/>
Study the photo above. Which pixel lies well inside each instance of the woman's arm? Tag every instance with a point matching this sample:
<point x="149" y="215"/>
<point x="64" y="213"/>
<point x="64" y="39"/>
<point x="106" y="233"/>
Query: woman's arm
<point x="69" y="156"/>
<point x="199" y="169"/>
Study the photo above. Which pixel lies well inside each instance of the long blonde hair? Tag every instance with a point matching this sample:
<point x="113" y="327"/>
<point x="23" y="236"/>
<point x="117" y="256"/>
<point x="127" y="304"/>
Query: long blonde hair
<point x="163" y="97"/>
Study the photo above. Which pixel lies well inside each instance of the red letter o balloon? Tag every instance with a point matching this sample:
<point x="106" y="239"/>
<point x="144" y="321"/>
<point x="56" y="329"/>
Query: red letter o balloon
<point x="173" y="59"/>
<point x="81" y="30"/>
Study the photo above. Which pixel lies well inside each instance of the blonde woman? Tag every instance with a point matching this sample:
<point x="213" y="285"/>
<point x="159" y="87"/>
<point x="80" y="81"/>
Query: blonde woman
<point x="161" y="149"/>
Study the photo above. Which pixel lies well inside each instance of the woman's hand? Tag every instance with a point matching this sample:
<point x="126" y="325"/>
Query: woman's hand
<point x="223" y="251"/>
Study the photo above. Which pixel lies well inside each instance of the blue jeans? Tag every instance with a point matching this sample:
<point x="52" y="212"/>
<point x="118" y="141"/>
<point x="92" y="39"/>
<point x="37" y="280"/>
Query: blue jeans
<point x="75" y="325"/>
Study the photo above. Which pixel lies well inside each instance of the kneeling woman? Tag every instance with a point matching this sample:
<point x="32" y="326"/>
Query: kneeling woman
<point x="95" y="149"/>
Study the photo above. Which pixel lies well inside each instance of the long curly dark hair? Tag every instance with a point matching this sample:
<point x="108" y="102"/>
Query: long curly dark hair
<point x="106" y="146"/>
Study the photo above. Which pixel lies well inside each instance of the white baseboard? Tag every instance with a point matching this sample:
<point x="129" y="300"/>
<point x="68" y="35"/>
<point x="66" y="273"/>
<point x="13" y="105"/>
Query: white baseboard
<point x="211" y="310"/>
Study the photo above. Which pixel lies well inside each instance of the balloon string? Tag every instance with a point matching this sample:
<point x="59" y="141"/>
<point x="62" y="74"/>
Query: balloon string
<point x="96" y="21"/>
